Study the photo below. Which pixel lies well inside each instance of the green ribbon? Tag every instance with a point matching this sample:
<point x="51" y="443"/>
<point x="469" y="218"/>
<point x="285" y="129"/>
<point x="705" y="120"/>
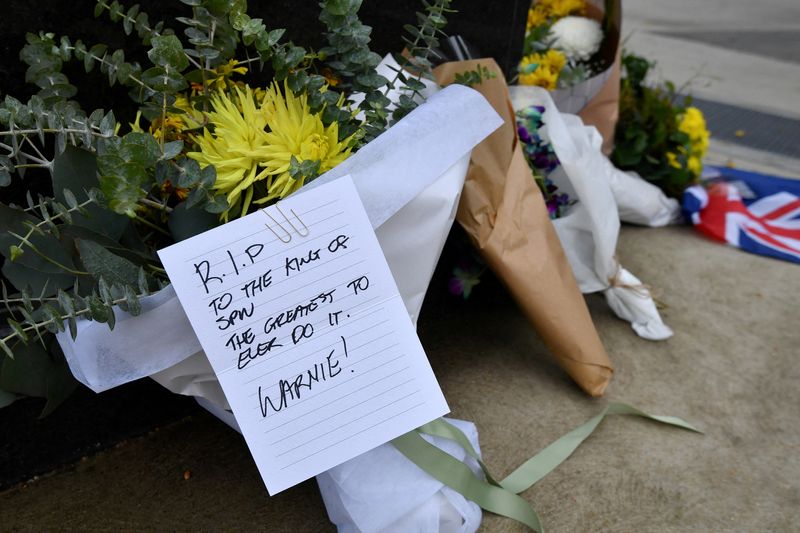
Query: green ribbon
<point x="458" y="476"/>
<point x="502" y="497"/>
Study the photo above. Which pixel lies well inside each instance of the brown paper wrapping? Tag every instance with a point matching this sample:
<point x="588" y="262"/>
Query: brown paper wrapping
<point x="504" y="214"/>
<point x="602" y="111"/>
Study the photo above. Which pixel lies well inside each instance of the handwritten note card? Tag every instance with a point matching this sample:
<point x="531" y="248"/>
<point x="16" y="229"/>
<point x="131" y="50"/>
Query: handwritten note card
<point x="300" y="317"/>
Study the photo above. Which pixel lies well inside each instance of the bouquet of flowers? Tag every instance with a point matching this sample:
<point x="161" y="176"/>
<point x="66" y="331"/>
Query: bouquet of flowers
<point x="559" y="44"/>
<point x="659" y="135"/>
<point x="571" y="49"/>
<point x="541" y="158"/>
<point x="230" y="117"/>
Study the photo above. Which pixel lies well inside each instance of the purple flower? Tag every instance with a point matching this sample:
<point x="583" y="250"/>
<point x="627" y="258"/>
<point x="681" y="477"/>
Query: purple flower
<point x="524" y="136"/>
<point x="464" y="279"/>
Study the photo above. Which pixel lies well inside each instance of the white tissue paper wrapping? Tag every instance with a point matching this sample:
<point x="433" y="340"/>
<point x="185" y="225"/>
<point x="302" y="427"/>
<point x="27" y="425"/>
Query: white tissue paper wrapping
<point x="403" y="498"/>
<point x="430" y="506"/>
<point x="410" y="180"/>
<point x="589" y="229"/>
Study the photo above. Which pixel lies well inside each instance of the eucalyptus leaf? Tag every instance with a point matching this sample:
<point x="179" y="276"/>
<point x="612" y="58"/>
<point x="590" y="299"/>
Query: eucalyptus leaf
<point x="103" y="264"/>
<point x="7" y="398"/>
<point x="22" y="277"/>
<point x="76" y="170"/>
<point x="185" y="223"/>
<point x="14" y="221"/>
<point x="27" y="373"/>
<point x="168" y="51"/>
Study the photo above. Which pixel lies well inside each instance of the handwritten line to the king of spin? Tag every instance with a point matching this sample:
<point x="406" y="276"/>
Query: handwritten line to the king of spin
<point x="248" y="345"/>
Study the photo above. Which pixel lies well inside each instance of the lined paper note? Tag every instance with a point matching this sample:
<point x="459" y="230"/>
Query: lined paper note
<point x="298" y="313"/>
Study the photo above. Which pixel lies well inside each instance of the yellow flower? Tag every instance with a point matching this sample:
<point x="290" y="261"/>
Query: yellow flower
<point x="694" y="165"/>
<point x="542" y="69"/>
<point x="235" y="147"/>
<point x="693" y="124"/>
<point x="253" y="144"/>
<point x="293" y="131"/>
<point x="672" y="160"/>
<point x="536" y="16"/>
<point x="555" y="9"/>
<point x="221" y="75"/>
<point x="562" y="8"/>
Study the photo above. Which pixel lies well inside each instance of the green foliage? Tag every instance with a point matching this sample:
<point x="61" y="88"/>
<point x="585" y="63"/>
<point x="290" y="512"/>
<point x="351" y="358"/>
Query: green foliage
<point x="648" y="129"/>
<point x="420" y="42"/>
<point x="470" y="78"/>
<point x="39" y="371"/>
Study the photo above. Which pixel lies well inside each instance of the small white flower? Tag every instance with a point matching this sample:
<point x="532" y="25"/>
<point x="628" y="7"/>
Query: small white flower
<point x="578" y="37"/>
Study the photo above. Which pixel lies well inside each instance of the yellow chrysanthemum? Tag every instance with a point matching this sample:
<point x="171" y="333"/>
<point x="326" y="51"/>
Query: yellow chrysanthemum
<point x="555" y="9"/>
<point x="693" y="124"/>
<point x="293" y="131"/>
<point x="542" y="69"/>
<point x="536" y="16"/>
<point x="254" y="143"/>
<point x="561" y="8"/>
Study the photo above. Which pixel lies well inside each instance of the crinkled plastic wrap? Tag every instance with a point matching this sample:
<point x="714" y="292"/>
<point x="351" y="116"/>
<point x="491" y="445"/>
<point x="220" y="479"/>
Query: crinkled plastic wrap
<point x="589" y="229"/>
<point x="503" y="212"/>
<point x="412" y="173"/>
<point x="409" y="499"/>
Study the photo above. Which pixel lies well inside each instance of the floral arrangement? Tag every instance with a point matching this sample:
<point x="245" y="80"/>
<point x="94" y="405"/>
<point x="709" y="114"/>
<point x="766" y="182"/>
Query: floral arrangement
<point x="560" y="44"/>
<point x="541" y="159"/>
<point x="659" y="134"/>
<point x="209" y="143"/>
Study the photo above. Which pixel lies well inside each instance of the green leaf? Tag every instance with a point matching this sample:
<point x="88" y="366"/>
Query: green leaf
<point x="185" y="223"/>
<point x="18" y="330"/>
<point x="98" y="311"/>
<point x="132" y="304"/>
<point x="342" y="7"/>
<point x="172" y="149"/>
<point x="27" y="373"/>
<point x="76" y="170"/>
<point x="103" y="264"/>
<point x="162" y="79"/>
<point x="14" y="221"/>
<point x="218" y="205"/>
<point x="7" y="398"/>
<point x="124" y="189"/>
<point x="140" y="148"/>
<point x="60" y="383"/>
<point x="167" y="51"/>
<point x="24" y="277"/>
<point x="35" y="372"/>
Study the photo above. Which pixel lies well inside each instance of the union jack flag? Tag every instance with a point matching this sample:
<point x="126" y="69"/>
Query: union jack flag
<point x="757" y="213"/>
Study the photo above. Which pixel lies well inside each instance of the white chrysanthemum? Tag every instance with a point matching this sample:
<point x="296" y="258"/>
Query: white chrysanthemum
<point x="578" y="37"/>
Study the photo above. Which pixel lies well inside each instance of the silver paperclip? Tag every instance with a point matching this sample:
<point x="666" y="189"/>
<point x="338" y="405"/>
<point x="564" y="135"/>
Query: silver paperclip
<point x="278" y="207"/>
<point x="288" y="235"/>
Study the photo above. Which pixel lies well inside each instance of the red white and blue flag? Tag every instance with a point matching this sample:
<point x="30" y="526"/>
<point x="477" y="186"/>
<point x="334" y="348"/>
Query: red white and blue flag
<point x="754" y="212"/>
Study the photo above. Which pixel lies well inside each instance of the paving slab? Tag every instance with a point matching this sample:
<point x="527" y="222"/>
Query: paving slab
<point x="685" y="37"/>
<point x="730" y="369"/>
